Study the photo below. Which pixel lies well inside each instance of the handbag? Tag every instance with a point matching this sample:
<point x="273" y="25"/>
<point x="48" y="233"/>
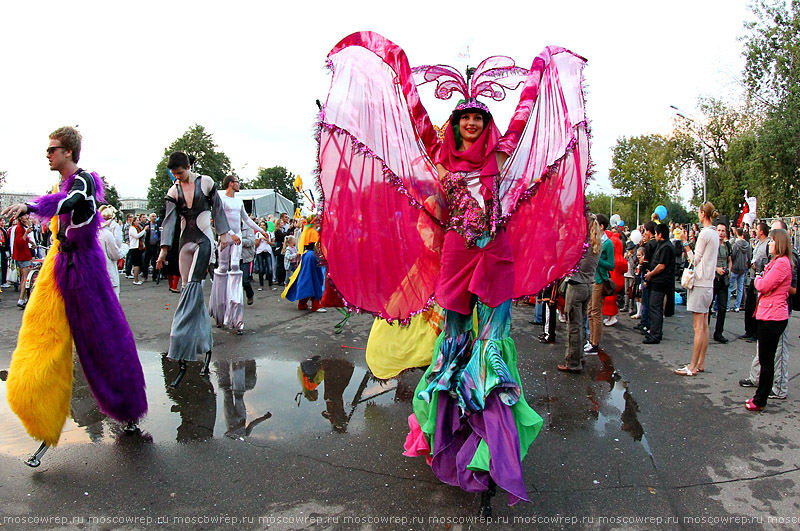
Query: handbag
<point x="609" y="287"/>
<point x="687" y="278"/>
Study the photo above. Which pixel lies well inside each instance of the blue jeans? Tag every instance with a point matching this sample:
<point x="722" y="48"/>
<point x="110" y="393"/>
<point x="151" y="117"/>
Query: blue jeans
<point x="737" y="282"/>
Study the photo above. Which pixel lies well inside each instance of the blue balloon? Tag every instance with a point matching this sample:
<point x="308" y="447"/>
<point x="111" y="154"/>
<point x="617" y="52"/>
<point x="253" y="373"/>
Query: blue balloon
<point x="621" y="223"/>
<point x="661" y="212"/>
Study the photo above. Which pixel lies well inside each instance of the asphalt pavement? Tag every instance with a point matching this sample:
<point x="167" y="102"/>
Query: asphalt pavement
<point x="626" y="444"/>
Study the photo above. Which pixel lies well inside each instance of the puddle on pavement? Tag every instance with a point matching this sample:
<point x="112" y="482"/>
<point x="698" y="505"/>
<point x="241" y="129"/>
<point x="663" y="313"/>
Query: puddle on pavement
<point x="278" y="400"/>
<point x="275" y="400"/>
<point x="615" y="409"/>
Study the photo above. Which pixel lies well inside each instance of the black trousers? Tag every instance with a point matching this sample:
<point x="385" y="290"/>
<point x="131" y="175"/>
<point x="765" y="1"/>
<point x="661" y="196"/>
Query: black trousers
<point x="280" y="271"/>
<point x="550" y="320"/>
<point x="769" y="335"/>
<point x="3" y="267"/>
<point x="721" y="293"/>
<point x="150" y="258"/>
<point x="248" y="289"/>
<point x="656" y="311"/>
<point x="750" y="323"/>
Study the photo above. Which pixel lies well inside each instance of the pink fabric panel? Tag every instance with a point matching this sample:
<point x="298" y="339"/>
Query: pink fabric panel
<point x="395" y="58"/>
<point x="545" y="125"/>
<point x="416" y="443"/>
<point x="548" y="230"/>
<point x="378" y="104"/>
<point x="487" y="272"/>
<point x="382" y="252"/>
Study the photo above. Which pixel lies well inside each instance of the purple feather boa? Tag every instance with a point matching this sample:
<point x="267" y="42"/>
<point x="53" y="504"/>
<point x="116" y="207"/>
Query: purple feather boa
<point x="103" y="339"/>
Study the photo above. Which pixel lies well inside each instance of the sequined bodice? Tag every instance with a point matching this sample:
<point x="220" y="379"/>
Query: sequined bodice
<point x="467" y="216"/>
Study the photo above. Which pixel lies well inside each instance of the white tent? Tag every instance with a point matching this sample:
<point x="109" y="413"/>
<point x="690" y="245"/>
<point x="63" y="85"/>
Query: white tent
<point x="264" y="201"/>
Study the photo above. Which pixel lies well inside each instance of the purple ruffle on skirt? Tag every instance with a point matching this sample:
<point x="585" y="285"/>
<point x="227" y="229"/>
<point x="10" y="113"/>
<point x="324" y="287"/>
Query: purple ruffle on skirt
<point x="456" y="439"/>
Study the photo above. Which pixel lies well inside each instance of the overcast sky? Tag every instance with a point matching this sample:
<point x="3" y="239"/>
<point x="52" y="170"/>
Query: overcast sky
<point x="136" y="76"/>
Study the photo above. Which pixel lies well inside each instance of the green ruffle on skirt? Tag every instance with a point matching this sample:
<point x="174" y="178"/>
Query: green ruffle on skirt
<point x="528" y="422"/>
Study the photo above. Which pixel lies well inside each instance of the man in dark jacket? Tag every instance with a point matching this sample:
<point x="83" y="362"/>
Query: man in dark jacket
<point x="741" y="254"/>
<point x="660" y="280"/>
<point x="152" y="247"/>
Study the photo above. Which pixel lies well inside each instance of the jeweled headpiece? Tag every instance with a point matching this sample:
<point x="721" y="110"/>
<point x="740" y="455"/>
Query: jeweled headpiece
<point x="490" y="79"/>
<point x="471" y="104"/>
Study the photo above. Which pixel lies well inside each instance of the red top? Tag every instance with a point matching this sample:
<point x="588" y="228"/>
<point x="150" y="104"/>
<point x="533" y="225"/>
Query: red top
<point x="21" y="253"/>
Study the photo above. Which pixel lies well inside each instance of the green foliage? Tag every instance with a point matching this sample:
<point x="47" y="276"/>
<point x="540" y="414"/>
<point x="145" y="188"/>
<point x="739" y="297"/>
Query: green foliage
<point x="600" y="203"/>
<point x="645" y="168"/>
<point x="277" y="178"/>
<point x="195" y="141"/>
<point x="772" y="51"/>
<point x="3" y="175"/>
<point x="770" y="153"/>
<point x="112" y="196"/>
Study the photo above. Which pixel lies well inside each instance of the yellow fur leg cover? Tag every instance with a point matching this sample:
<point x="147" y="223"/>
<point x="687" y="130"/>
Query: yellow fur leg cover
<point x="39" y="384"/>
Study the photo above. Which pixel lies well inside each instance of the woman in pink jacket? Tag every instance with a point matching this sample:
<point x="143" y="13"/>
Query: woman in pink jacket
<point x="772" y="312"/>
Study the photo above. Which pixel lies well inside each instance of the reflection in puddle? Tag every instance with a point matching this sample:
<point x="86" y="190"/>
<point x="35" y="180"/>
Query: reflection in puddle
<point x="260" y="398"/>
<point x="606" y="408"/>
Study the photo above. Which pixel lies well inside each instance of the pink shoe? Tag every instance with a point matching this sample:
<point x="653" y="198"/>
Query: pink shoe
<point x="751" y="406"/>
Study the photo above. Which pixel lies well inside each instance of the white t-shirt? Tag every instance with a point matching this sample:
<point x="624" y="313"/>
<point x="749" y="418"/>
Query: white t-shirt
<point x="705" y="257"/>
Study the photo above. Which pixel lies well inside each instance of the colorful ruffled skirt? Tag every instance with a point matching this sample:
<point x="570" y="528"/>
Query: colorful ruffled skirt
<point x="470" y="417"/>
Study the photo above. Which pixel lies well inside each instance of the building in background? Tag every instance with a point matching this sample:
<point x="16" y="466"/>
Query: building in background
<point x="133" y="205"/>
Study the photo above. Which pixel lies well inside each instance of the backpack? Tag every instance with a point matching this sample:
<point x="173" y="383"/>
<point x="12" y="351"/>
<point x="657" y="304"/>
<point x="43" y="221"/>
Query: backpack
<point x="794" y="300"/>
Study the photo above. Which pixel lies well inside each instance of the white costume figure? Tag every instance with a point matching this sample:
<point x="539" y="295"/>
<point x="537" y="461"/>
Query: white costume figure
<point x="749" y="216"/>
<point x="226" y="304"/>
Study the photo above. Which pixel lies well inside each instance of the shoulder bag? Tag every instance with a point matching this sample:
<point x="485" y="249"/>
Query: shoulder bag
<point x="687" y="278"/>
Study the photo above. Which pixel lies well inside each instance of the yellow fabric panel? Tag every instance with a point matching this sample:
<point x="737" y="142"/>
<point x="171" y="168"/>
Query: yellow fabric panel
<point x="39" y="383"/>
<point x="391" y="349"/>
<point x="292" y="280"/>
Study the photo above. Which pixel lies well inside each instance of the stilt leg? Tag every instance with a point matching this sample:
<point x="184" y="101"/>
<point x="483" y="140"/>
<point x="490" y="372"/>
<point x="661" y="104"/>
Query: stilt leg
<point x="204" y="371"/>
<point x="486" y="499"/>
<point x="181" y="373"/>
<point x="35" y="460"/>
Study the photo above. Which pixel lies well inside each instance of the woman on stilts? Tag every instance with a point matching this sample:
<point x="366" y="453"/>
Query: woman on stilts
<point x="449" y="202"/>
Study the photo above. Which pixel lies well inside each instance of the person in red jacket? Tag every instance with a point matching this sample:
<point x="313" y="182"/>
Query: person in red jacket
<point x="22" y="254"/>
<point x="610" y="308"/>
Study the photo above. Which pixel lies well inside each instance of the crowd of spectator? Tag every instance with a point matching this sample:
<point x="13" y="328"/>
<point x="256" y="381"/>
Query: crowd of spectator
<point x="733" y="269"/>
<point x="132" y="246"/>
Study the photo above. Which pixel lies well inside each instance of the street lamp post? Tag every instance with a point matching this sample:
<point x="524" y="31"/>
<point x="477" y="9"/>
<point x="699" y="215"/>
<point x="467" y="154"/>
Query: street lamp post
<point x="702" y="145"/>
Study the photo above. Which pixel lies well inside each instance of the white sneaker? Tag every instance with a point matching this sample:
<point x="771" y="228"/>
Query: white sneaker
<point x="611" y="321"/>
<point x="138" y="283"/>
<point x="587" y="347"/>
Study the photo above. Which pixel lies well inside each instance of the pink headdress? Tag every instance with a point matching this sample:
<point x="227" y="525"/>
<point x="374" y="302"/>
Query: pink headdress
<point x="490" y="79"/>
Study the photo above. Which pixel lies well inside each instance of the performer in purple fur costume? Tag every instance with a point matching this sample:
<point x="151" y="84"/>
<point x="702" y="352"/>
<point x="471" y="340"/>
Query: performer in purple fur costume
<point x="73" y="302"/>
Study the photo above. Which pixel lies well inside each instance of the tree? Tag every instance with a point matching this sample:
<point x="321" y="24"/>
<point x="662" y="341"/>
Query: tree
<point x="645" y="169"/>
<point x="195" y="141"/>
<point x="772" y="52"/>
<point x="772" y="78"/>
<point x="3" y="175"/>
<point x="112" y="196"/>
<point x="277" y="178"/>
